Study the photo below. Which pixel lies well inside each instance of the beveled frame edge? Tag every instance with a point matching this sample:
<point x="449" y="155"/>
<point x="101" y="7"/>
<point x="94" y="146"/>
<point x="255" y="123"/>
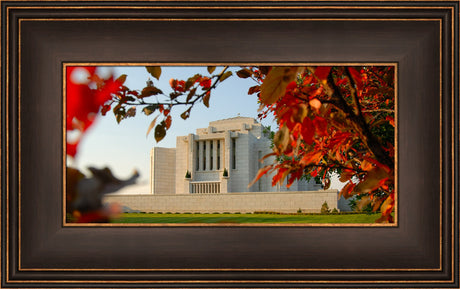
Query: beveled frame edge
<point x="454" y="133"/>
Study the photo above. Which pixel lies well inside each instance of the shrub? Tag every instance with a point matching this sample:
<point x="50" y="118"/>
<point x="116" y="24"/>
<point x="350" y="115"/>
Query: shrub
<point x="225" y="173"/>
<point x="325" y="208"/>
<point x="299" y="211"/>
<point x="188" y="175"/>
<point x="335" y="211"/>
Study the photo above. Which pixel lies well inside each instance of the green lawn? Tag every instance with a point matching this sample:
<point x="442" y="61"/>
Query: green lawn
<point x="147" y="218"/>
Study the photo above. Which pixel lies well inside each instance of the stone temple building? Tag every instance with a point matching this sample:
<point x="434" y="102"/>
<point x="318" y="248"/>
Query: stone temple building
<point x="234" y="145"/>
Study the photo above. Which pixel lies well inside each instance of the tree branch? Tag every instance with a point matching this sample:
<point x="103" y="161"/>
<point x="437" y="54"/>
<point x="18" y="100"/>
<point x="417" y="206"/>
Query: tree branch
<point x="370" y="139"/>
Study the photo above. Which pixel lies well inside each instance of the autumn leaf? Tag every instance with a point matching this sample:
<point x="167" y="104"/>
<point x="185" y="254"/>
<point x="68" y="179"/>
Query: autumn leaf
<point x="274" y="85"/>
<point x="152" y="124"/>
<point x="260" y="173"/>
<point x="131" y="112"/>
<point x="168" y="122"/>
<point x="315" y="104"/>
<point x="346" y="175"/>
<point x="149" y="90"/>
<point x="211" y="69"/>
<point x="347" y="190"/>
<point x="300" y="112"/>
<point x="121" y="79"/>
<point x="361" y="204"/>
<point x="356" y="77"/>
<point x="186" y="114"/>
<point x="190" y="95"/>
<point x="155" y="71"/>
<point x="254" y="89"/>
<point x="225" y="75"/>
<point x="160" y="131"/>
<point x="244" y="73"/>
<point x="206" y="98"/>
<point x="281" y="139"/>
<point x="322" y="72"/>
<point x="148" y="110"/>
<point x="327" y="183"/>
<point x="373" y="180"/>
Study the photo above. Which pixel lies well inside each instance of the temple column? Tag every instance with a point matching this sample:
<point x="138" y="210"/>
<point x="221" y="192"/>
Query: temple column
<point x="214" y="154"/>
<point x="191" y="154"/>
<point x="226" y="155"/>
<point x="201" y="147"/>
<point x="208" y="155"/>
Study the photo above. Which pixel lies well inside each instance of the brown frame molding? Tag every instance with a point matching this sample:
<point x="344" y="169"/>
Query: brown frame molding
<point x="39" y="251"/>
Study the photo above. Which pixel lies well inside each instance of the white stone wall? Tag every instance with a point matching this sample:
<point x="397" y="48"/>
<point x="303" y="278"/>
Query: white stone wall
<point x="287" y="202"/>
<point x="163" y="177"/>
<point x="181" y="164"/>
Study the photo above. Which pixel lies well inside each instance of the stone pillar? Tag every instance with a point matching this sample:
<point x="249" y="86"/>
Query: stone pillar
<point x="191" y="154"/>
<point x="201" y="155"/>
<point x="187" y="186"/>
<point x="222" y="145"/>
<point x="226" y="155"/>
<point x="214" y="154"/>
<point x="224" y="185"/>
<point x="208" y="155"/>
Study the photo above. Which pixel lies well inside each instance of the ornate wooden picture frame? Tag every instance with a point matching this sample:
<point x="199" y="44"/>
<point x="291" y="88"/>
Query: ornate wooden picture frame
<point x="38" y="37"/>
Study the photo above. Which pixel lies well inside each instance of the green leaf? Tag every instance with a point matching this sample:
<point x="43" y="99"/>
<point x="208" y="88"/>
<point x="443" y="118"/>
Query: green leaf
<point x="155" y="71"/>
<point x="122" y="78"/>
<point x="225" y="75"/>
<point x="211" y="69"/>
<point x="152" y="124"/>
<point x="160" y="131"/>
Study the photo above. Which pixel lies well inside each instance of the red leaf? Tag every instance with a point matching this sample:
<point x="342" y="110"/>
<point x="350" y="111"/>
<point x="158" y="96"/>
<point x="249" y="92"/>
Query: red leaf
<point x="356" y="77"/>
<point x="71" y="149"/>
<point x="322" y="72"/>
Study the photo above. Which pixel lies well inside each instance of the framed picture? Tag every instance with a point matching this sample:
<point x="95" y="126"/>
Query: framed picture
<point x="209" y="160"/>
<point x="40" y="251"/>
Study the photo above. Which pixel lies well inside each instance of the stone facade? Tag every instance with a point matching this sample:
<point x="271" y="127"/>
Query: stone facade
<point x="235" y="145"/>
<point x="284" y="202"/>
<point x="162" y="181"/>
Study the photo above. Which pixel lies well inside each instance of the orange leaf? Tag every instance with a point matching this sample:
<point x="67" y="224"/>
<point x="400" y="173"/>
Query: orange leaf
<point x="361" y="204"/>
<point x="206" y="98"/>
<point x="261" y="172"/>
<point x="315" y="104"/>
<point x="168" y="122"/>
<point x="373" y="180"/>
<point x="347" y="190"/>
<point x="274" y="85"/>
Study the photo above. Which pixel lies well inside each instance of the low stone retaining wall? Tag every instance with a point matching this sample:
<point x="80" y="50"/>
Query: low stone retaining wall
<point x="285" y="202"/>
